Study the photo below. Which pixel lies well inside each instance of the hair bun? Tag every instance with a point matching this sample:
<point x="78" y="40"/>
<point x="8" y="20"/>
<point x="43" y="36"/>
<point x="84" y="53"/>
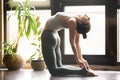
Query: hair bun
<point x="84" y="36"/>
<point x="83" y="29"/>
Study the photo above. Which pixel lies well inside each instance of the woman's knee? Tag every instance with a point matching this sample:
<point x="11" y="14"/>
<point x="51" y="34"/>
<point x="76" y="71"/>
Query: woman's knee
<point x="53" y="72"/>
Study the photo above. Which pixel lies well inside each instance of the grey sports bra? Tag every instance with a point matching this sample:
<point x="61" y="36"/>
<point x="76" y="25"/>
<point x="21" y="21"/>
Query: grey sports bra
<point x="54" y="23"/>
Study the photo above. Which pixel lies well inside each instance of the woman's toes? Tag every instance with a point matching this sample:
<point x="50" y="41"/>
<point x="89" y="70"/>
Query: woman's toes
<point x="91" y="73"/>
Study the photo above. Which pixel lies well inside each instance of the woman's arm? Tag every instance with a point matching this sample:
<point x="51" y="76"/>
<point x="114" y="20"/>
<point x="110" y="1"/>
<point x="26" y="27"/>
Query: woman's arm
<point x="72" y="43"/>
<point x="72" y="35"/>
<point x="82" y="61"/>
<point x="75" y="41"/>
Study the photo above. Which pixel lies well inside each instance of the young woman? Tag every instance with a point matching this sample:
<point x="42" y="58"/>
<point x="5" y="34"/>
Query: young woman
<point x="51" y="43"/>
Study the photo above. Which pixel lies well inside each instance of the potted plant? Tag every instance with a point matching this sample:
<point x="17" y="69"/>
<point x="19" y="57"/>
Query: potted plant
<point x="26" y="24"/>
<point x="26" y="21"/>
<point x="37" y="61"/>
<point x="11" y="59"/>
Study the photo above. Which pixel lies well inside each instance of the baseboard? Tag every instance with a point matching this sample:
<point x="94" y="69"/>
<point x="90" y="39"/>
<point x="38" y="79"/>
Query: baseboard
<point x="104" y="67"/>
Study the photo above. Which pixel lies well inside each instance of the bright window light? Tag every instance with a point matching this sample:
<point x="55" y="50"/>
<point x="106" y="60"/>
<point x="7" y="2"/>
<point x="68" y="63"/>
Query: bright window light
<point x="118" y="35"/>
<point x="25" y="49"/>
<point x="36" y="3"/>
<point x="95" y="42"/>
<point x="31" y="0"/>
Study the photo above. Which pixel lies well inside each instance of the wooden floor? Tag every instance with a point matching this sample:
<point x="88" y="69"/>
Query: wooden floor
<point x="29" y="74"/>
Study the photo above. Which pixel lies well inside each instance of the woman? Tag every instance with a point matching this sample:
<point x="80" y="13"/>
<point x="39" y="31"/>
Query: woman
<point x="51" y="43"/>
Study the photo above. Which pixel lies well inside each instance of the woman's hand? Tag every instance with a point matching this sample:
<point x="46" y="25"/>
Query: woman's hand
<point x="83" y="63"/>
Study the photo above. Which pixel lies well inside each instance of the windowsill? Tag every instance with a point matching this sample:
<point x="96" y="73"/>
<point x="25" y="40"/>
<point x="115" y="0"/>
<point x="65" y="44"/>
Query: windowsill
<point x="104" y="67"/>
<point x="94" y="67"/>
<point x="27" y="66"/>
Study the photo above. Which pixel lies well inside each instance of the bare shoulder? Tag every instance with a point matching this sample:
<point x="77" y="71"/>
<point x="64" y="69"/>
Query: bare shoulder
<point x="71" y="23"/>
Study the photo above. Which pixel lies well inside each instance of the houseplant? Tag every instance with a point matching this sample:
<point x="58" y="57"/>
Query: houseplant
<point x="26" y="25"/>
<point x="11" y="59"/>
<point x="26" y="21"/>
<point x="36" y="59"/>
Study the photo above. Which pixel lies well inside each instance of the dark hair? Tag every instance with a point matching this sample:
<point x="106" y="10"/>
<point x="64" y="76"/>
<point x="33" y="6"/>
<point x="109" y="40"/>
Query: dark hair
<point x="83" y="29"/>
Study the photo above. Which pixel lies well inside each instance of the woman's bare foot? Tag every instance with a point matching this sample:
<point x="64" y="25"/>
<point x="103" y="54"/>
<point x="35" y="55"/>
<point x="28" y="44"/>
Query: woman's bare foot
<point x="90" y="72"/>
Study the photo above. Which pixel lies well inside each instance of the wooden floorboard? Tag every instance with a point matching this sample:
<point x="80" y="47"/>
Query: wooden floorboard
<point x="29" y="74"/>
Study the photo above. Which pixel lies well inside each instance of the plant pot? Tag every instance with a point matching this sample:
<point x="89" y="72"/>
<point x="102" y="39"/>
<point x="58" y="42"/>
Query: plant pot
<point x="38" y="65"/>
<point x="13" y="62"/>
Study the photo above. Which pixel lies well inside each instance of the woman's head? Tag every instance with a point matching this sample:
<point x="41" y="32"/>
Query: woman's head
<point x="83" y="25"/>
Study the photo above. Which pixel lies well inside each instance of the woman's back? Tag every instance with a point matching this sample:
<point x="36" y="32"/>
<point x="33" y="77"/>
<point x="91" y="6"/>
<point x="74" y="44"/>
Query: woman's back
<point x="55" y="22"/>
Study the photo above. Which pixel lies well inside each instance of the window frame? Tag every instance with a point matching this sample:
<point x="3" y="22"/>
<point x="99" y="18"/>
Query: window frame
<point x="24" y="44"/>
<point x="44" y="5"/>
<point x="37" y="4"/>
<point x="97" y="19"/>
<point x="118" y="41"/>
<point x="1" y="30"/>
<point x="118" y="36"/>
<point x="110" y="57"/>
<point x="111" y="29"/>
<point x="7" y="8"/>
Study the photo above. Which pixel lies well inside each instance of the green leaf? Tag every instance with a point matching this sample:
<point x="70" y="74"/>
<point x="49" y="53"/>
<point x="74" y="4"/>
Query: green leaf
<point x="20" y="31"/>
<point x="32" y="56"/>
<point x="28" y="27"/>
<point x="34" y="44"/>
<point x="9" y="48"/>
<point x="38" y="50"/>
<point x="27" y="2"/>
<point x="40" y="58"/>
<point x="21" y="5"/>
<point x="34" y="24"/>
<point x="39" y="39"/>
<point x="9" y="17"/>
<point x="38" y="24"/>
<point x="40" y="31"/>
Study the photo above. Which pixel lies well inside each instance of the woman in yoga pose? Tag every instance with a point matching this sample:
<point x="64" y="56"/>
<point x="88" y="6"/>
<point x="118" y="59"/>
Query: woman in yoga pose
<point x="78" y="24"/>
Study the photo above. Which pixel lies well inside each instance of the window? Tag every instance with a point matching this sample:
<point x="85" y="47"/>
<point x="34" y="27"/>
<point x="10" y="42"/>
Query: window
<point x="36" y="3"/>
<point x="95" y="42"/>
<point x="1" y="29"/>
<point x="24" y="48"/>
<point x="104" y="8"/>
<point x="118" y="35"/>
<point x="103" y="51"/>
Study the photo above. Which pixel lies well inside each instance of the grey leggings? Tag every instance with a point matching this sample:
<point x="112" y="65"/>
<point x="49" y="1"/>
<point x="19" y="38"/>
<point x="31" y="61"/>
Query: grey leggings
<point x="52" y="55"/>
